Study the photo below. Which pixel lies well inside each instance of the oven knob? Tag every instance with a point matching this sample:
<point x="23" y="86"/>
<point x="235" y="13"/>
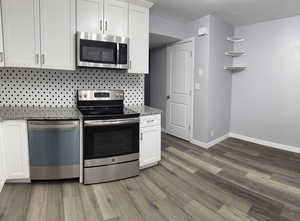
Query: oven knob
<point x="84" y="96"/>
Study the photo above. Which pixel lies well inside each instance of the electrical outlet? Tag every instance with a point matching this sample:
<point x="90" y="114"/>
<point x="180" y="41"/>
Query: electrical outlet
<point x="212" y="133"/>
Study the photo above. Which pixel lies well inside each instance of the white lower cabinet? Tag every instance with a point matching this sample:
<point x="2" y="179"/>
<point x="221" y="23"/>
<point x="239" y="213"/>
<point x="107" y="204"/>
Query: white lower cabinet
<point x="15" y="146"/>
<point x="150" y="141"/>
<point x="2" y="164"/>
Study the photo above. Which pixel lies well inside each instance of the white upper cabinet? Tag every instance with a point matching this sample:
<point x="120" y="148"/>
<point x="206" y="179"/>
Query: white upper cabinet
<point x="57" y="34"/>
<point x="139" y="39"/>
<point x="21" y="33"/>
<point x="90" y="16"/>
<point x="106" y="16"/>
<point x="1" y="42"/>
<point x="39" y="33"/>
<point x="116" y="17"/>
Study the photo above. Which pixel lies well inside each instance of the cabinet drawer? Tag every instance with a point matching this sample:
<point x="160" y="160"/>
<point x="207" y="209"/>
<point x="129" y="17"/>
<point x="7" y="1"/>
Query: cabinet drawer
<point x="152" y="120"/>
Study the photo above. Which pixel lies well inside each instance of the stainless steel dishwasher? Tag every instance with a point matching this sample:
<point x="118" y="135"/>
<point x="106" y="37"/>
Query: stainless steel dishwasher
<point x="54" y="149"/>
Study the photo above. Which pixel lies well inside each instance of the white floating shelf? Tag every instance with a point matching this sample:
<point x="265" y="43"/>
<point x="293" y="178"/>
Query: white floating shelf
<point x="235" y="68"/>
<point x="234" y="53"/>
<point x="235" y="39"/>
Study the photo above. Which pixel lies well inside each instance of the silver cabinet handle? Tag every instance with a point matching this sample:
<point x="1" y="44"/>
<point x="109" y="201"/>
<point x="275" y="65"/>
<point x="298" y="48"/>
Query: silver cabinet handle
<point x="105" y="25"/>
<point x="101" y="25"/>
<point x="130" y="64"/>
<point x="37" y="59"/>
<point x="42" y="59"/>
<point x="142" y="136"/>
<point x="1" y="57"/>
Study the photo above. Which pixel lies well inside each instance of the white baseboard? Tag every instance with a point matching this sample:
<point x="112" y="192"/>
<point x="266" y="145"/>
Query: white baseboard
<point x="266" y="143"/>
<point x="211" y="143"/>
<point x="1" y="186"/>
<point x="164" y="130"/>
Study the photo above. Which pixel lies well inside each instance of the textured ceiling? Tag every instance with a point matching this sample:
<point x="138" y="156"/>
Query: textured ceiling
<point x="237" y="12"/>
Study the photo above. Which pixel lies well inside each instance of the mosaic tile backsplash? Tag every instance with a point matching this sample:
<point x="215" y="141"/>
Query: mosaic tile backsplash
<point x="53" y="88"/>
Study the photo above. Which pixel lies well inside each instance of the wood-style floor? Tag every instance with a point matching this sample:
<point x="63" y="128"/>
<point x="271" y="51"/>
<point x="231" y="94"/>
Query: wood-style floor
<point x="234" y="180"/>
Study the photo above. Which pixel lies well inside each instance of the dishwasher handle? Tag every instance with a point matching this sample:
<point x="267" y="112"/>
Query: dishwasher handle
<point x="53" y="125"/>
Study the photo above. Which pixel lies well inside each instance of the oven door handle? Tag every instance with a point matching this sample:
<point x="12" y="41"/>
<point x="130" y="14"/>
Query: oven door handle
<point x="97" y="123"/>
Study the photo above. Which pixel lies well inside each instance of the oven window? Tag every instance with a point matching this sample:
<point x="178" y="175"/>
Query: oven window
<point x="110" y="141"/>
<point x="98" y="52"/>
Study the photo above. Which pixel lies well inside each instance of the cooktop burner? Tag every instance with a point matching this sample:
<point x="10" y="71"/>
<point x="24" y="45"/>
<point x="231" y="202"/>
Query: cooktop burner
<point x="104" y="113"/>
<point x="103" y="104"/>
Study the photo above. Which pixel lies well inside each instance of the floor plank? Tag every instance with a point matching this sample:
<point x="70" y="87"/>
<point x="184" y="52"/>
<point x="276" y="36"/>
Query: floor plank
<point x="234" y="180"/>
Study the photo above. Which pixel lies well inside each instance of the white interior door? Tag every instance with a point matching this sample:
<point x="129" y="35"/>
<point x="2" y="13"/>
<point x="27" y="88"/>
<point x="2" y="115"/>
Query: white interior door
<point x="180" y="69"/>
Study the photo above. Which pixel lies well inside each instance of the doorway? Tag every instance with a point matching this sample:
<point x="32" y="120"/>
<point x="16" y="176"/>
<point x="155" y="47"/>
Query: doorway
<point x="179" y="102"/>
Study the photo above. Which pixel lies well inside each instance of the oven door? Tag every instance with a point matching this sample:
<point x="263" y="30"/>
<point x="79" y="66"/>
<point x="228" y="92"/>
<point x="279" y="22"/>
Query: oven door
<point x="110" y="141"/>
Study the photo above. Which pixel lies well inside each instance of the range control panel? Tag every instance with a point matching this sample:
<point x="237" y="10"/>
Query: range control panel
<point x="95" y="95"/>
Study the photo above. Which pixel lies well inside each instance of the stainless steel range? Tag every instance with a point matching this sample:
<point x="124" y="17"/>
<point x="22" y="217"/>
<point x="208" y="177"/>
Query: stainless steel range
<point x="110" y="136"/>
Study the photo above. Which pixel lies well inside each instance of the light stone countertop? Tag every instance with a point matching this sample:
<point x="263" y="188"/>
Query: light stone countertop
<point x="144" y="110"/>
<point x="58" y="113"/>
<point x="39" y="113"/>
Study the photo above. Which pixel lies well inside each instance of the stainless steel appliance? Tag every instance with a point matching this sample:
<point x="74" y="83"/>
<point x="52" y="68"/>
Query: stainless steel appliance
<point x="54" y="149"/>
<point x="110" y="136"/>
<point x="102" y="51"/>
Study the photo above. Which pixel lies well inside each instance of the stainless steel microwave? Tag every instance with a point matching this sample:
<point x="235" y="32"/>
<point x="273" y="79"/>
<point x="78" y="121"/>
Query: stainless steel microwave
<point x="102" y="51"/>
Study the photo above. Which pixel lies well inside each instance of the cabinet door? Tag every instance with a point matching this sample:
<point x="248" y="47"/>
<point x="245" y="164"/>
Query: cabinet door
<point x="1" y="42"/>
<point x="139" y="39"/>
<point x="150" y="145"/>
<point x="21" y="33"/>
<point x="116" y="17"/>
<point x="90" y="16"/>
<point x="15" y="144"/>
<point x="58" y="34"/>
<point x="2" y="161"/>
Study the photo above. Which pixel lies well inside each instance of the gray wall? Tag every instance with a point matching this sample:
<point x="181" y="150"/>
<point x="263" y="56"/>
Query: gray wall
<point x="212" y="102"/>
<point x="211" y="110"/>
<point x="158" y="80"/>
<point x="201" y="72"/>
<point x="162" y="26"/>
<point x="219" y="82"/>
<point x="266" y="97"/>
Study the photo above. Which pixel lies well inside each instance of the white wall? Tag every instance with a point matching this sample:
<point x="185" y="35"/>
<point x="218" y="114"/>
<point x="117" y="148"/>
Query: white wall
<point x="266" y="97"/>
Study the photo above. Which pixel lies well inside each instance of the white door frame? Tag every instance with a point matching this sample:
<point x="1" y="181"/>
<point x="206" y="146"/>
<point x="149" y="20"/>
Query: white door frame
<point x="191" y="85"/>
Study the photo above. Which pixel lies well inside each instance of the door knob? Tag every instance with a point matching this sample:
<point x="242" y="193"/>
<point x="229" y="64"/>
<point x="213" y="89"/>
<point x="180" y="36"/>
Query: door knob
<point x="168" y="97"/>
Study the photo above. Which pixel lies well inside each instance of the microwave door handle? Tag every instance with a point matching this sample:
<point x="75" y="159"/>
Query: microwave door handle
<point x="118" y="53"/>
